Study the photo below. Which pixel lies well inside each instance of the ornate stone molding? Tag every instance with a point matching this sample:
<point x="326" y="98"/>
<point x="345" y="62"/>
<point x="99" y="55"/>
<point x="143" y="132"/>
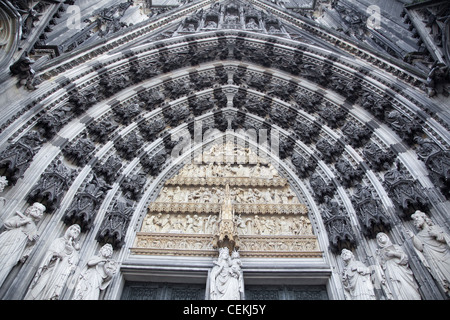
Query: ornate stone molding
<point x="413" y="75"/>
<point x="279" y="247"/>
<point x="272" y="208"/>
<point x="10" y="33"/>
<point x="259" y="208"/>
<point x="173" y="244"/>
<point x="250" y="246"/>
<point x="232" y="181"/>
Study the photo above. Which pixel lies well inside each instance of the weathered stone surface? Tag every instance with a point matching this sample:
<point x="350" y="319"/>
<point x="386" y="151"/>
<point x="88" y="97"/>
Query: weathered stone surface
<point x="52" y="186"/>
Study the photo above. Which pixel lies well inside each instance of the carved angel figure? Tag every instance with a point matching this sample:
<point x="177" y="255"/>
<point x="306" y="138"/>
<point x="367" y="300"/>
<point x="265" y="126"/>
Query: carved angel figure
<point x="252" y="25"/>
<point x="356" y="278"/>
<point x="96" y="275"/>
<point x="21" y="232"/>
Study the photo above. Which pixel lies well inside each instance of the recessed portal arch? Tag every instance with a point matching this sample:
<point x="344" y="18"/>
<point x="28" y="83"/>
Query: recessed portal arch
<point x="165" y="229"/>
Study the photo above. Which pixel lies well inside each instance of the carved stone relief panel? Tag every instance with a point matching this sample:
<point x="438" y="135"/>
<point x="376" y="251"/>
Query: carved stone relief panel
<point x="248" y="200"/>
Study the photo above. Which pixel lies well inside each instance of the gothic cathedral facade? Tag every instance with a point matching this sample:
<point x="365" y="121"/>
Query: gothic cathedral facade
<point x="224" y="150"/>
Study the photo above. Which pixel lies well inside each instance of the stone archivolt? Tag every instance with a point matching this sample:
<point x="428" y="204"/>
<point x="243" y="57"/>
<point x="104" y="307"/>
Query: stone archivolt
<point x="265" y="218"/>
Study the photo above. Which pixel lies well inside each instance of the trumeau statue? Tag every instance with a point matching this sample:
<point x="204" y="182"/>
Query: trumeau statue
<point x="398" y="278"/>
<point x="59" y="262"/>
<point x="356" y="278"/>
<point x="433" y="247"/>
<point x="96" y="275"/>
<point x="226" y="282"/>
<point x="16" y="242"/>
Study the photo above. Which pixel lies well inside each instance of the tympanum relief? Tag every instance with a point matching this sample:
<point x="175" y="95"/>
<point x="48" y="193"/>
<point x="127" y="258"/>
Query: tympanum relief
<point x="264" y="215"/>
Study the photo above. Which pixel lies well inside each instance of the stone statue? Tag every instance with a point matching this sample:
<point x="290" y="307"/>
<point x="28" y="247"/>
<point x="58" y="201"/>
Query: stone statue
<point x="3" y="184"/>
<point x="189" y="224"/>
<point x="21" y="232"/>
<point x="398" y="277"/>
<point x="356" y="278"/>
<point x="252" y="25"/>
<point x="167" y="195"/>
<point x="236" y="273"/>
<point x="178" y="196"/>
<point x="211" y="25"/>
<point x="284" y="226"/>
<point x="227" y="206"/>
<point x="302" y="226"/>
<point x="432" y="245"/>
<point x="59" y="262"/>
<point x="226" y="277"/>
<point x="164" y="223"/>
<point x="212" y="224"/>
<point x="96" y="275"/>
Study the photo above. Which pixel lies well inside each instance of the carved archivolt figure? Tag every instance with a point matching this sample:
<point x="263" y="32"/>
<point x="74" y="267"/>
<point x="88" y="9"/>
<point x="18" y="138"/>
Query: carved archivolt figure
<point x="211" y="25"/>
<point x="96" y="275"/>
<point x="21" y="232"/>
<point x="356" y="278"/>
<point x="398" y="277"/>
<point x="433" y="247"/>
<point x="252" y="25"/>
<point x="190" y="27"/>
<point x="226" y="277"/>
<point x="59" y="262"/>
<point x="231" y="18"/>
<point x="3" y="184"/>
